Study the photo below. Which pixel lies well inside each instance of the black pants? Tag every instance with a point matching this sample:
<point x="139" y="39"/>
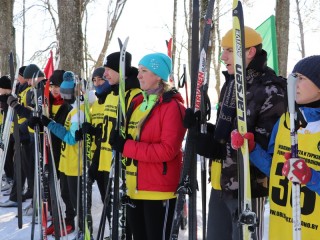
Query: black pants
<point x="102" y="178"/>
<point x="151" y="218"/>
<point x="28" y="161"/>
<point x="24" y="156"/>
<point x="9" y="163"/>
<point x="68" y="186"/>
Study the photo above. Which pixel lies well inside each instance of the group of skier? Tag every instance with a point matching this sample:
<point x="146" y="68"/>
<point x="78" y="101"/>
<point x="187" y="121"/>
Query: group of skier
<point x="273" y="167"/>
<point x="153" y="126"/>
<point x="149" y="136"/>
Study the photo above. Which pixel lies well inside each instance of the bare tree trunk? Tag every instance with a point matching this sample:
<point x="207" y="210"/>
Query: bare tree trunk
<point x="7" y="38"/>
<point x="70" y="39"/>
<point x="23" y="31"/>
<point x="174" y="32"/>
<point x="301" y="30"/>
<point x="282" y="28"/>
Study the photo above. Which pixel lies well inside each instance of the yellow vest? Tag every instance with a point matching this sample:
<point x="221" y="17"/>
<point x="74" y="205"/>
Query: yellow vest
<point x="23" y="101"/>
<point x="280" y="224"/>
<point x="109" y="123"/>
<point x="97" y="118"/>
<point x="55" y="109"/>
<point x="69" y="153"/>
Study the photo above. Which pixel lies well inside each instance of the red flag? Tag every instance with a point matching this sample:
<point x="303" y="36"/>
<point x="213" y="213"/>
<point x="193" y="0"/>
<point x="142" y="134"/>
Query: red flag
<point x="169" y="46"/>
<point x="48" y="70"/>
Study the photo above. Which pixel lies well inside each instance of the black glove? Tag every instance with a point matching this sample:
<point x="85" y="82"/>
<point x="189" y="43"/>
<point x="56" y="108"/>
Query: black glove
<point x="206" y="145"/>
<point x="45" y="120"/>
<point x="33" y="121"/>
<point x="78" y="135"/>
<point x="12" y="101"/>
<point x="191" y="118"/>
<point x="116" y="141"/>
<point x="87" y="128"/>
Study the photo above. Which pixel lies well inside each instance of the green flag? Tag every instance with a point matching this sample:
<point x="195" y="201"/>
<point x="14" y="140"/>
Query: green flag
<point x="267" y="31"/>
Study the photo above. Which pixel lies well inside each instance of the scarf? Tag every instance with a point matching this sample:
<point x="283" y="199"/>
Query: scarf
<point x="57" y="100"/>
<point x="150" y="98"/>
<point x="102" y="88"/>
<point x="227" y="114"/>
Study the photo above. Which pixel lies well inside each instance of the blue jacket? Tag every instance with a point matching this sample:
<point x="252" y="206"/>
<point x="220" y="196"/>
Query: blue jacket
<point x="262" y="159"/>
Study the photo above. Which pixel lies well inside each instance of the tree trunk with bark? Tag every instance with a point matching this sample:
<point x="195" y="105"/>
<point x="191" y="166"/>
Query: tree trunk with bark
<point x="7" y="36"/>
<point x="70" y="38"/>
<point x="282" y="29"/>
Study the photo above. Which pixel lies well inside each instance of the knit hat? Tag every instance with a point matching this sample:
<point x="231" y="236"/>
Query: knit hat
<point x="252" y="38"/>
<point x="31" y="71"/>
<point x="21" y="70"/>
<point x="309" y="67"/>
<point x="98" y="72"/>
<point x="67" y="86"/>
<point x="112" y="61"/>
<point x="158" y="63"/>
<point x="5" y="82"/>
<point x="57" y="77"/>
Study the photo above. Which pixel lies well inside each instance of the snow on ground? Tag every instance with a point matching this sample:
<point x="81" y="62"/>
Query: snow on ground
<point x="9" y="222"/>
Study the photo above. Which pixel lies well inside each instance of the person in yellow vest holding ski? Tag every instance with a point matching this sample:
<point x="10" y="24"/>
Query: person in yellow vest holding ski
<point x="277" y="163"/>
<point x="68" y="165"/>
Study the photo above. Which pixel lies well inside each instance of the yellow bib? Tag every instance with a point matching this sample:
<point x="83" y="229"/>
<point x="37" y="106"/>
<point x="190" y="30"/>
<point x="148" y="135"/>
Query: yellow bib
<point x="280" y="188"/>
<point x="69" y="153"/>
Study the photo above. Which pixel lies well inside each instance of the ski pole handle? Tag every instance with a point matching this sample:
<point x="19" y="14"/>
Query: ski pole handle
<point x="291" y="90"/>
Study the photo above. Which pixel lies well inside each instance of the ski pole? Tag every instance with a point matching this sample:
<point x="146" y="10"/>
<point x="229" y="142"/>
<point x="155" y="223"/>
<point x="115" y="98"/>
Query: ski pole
<point x="296" y="209"/>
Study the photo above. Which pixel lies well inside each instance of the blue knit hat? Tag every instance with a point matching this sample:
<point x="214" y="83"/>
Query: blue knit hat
<point x="158" y="63"/>
<point x="309" y="67"/>
<point x="67" y="85"/>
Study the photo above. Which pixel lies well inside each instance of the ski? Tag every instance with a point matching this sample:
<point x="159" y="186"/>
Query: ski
<point x="79" y="179"/>
<point x="199" y="102"/>
<point x="296" y="208"/>
<point x="203" y="105"/>
<point x="49" y="174"/>
<point x="5" y="136"/>
<point x="86" y="161"/>
<point x="17" y="153"/>
<point x="119" y="187"/>
<point x="247" y="218"/>
<point x="38" y="173"/>
<point x="185" y="185"/>
<point x="4" y="141"/>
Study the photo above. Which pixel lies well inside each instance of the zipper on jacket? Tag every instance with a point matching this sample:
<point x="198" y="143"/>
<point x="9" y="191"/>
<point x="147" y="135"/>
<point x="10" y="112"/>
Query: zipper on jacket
<point x="165" y="168"/>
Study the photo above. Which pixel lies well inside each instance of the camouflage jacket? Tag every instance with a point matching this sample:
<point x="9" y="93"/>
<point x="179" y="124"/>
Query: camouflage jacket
<point x="265" y="93"/>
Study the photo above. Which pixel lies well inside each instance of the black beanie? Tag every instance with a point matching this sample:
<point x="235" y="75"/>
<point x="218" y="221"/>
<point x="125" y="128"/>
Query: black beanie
<point x="21" y="70"/>
<point x="57" y="77"/>
<point x="112" y="61"/>
<point x="31" y="71"/>
<point x="98" y="72"/>
<point x="5" y="82"/>
<point x="309" y="67"/>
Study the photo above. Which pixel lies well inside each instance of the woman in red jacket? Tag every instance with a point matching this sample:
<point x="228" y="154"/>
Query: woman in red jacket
<point x="153" y="150"/>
